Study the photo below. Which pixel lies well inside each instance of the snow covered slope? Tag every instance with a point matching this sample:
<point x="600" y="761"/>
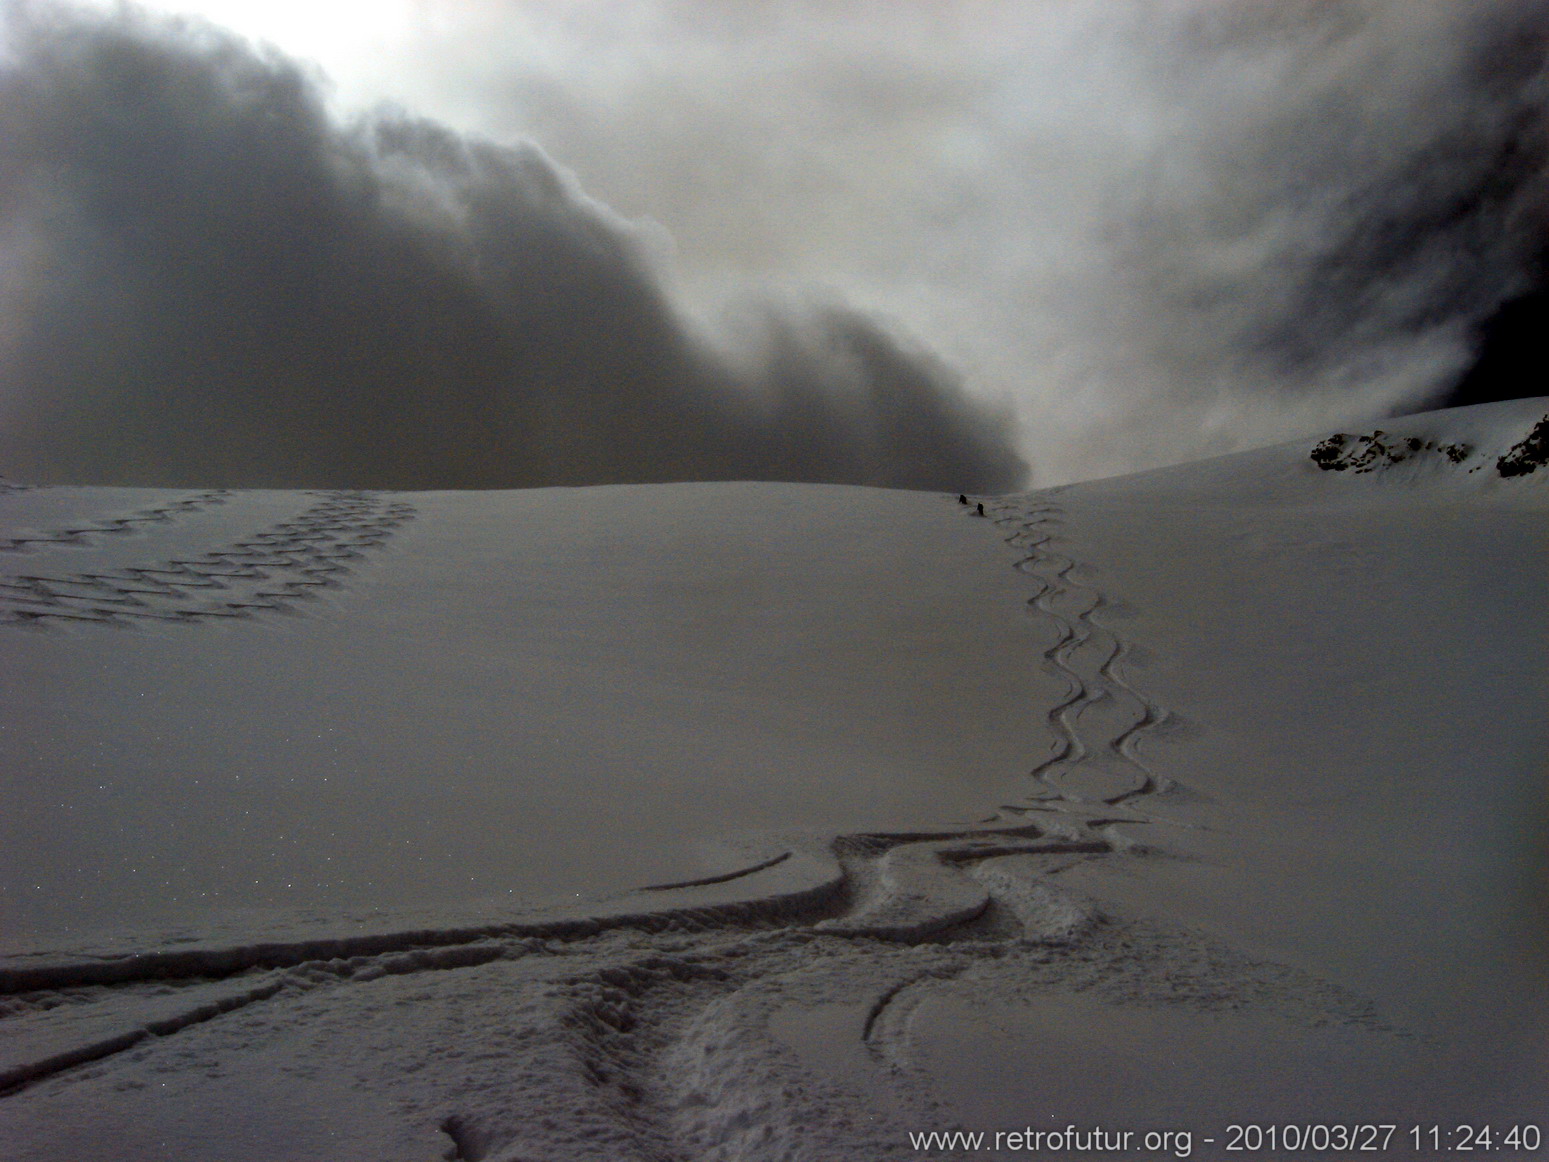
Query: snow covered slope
<point x="1213" y="794"/>
<point x="293" y="701"/>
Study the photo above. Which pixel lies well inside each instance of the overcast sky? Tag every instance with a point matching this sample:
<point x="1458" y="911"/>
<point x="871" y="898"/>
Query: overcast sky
<point x="770" y="238"/>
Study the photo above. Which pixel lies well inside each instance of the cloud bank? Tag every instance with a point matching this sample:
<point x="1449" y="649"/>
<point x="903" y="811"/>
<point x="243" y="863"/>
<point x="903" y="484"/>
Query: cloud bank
<point x="207" y="280"/>
<point x="1158" y="228"/>
<point x="816" y="241"/>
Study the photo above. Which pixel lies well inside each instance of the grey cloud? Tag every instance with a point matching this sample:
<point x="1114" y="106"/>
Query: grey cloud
<point x="1162" y="229"/>
<point x="1384" y="194"/>
<point x="1152" y="230"/>
<point x="208" y="281"/>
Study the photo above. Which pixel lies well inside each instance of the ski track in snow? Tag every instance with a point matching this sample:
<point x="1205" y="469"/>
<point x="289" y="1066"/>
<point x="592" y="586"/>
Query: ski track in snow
<point x="270" y="571"/>
<point x="1101" y="722"/>
<point x="94" y="531"/>
<point x="652" y="1024"/>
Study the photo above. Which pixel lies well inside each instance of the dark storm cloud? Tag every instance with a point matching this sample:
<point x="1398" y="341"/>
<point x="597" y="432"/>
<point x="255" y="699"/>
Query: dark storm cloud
<point x="1162" y="228"/>
<point x="1347" y="235"/>
<point x="1155" y="230"/>
<point x="205" y="280"/>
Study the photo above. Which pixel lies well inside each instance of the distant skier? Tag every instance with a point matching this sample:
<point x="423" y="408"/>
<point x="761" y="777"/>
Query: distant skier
<point x="979" y="509"/>
<point x="961" y="499"/>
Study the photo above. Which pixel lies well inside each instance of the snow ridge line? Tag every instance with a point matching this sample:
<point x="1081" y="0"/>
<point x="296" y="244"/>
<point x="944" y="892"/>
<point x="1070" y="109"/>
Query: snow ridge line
<point x="899" y="907"/>
<point x="1100" y="723"/>
<point x="305" y="963"/>
<point x="271" y="571"/>
<point x="725" y="877"/>
<point x="114" y="526"/>
<point x="427" y="944"/>
<point x="879" y="1032"/>
<point x="17" y="1077"/>
<point x="918" y="893"/>
<point x="916" y="889"/>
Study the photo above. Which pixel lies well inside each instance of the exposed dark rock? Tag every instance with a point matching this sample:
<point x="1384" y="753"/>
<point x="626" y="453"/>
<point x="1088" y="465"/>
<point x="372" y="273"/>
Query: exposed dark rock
<point x="1528" y="455"/>
<point x="1360" y="454"/>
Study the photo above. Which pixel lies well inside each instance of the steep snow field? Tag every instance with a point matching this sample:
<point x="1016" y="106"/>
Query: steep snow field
<point x="765" y="821"/>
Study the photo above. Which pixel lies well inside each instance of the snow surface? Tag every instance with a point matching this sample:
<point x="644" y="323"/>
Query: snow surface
<point x="772" y="821"/>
